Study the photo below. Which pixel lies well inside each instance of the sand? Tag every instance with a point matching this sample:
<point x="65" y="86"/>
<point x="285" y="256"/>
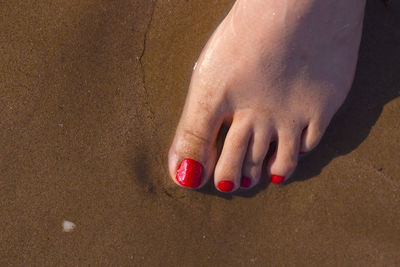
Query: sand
<point x="90" y="95"/>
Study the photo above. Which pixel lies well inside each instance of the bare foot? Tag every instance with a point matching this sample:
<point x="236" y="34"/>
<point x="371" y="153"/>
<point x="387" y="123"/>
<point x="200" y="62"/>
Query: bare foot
<point x="273" y="71"/>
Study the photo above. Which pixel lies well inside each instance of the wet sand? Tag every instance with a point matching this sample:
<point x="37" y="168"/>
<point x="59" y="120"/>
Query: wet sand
<point x="90" y="94"/>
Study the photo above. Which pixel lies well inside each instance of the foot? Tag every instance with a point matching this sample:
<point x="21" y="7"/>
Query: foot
<point x="273" y="71"/>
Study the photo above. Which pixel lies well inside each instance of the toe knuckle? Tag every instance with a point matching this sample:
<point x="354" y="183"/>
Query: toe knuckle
<point x="193" y="136"/>
<point x="291" y="164"/>
<point x="253" y="163"/>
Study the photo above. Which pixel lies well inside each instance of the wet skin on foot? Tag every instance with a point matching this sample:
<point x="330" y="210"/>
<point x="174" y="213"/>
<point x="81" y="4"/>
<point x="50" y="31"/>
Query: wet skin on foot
<point x="281" y="81"/>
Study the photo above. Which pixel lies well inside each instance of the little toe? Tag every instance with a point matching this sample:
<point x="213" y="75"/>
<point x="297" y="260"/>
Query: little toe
<point x="284" y="162"/>
<point x="228" y="171"/>
<point x="257" y="150"/>
<point x="311" y="136"/>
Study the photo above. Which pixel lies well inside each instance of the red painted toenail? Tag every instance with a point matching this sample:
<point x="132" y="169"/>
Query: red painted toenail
<point x="189" y="173"/>
<point x="246" y="182"/>
<point x="276" y="179"/>
<point x="226" y="186"/>
<point x="302" y="153"/>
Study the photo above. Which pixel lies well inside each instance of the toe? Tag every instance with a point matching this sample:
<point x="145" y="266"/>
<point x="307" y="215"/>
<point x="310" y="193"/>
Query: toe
<point x="192" y="155"/>
<point x="283" y="163"/>
<point x="311" y="137"/>
<point x="257" y="150"/>
<point x="228" y="170"/>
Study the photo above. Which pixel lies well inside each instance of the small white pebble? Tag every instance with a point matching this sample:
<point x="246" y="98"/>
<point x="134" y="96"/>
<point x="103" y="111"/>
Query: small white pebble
<point x="68" y="226"/>
<point x="195" y="65"/>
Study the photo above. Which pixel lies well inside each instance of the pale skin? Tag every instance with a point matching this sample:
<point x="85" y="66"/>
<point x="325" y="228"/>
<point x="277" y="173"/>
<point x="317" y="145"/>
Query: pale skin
<point x="272" y="71"/>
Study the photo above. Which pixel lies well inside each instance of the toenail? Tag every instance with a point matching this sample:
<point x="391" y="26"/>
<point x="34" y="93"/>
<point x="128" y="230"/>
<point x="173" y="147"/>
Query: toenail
<point x="302" y="153"/>
<point x="246" y="182"/>
<point x="189" y="173"/>
<point x="226" y="186"/>
<point x="276" y="179"/>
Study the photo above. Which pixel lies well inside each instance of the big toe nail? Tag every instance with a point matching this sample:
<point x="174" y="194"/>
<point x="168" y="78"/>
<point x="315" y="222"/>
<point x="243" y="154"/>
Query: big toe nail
<point x="189" y="173"/>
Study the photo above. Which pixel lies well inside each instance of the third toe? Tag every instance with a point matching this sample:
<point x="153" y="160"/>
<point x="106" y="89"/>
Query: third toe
<point x="253" y="163"/>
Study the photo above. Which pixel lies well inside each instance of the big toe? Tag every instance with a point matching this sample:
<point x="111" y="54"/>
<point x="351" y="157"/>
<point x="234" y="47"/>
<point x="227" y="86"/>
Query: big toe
<point x="193" y="153"/>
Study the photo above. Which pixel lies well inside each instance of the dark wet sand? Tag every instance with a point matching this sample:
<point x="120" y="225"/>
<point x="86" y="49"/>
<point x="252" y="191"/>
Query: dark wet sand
<point x="90" y="94"/>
